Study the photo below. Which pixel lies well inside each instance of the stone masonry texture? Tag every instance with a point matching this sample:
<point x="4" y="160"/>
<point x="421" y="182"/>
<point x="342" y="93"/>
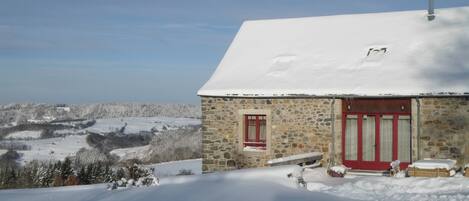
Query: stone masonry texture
<point x="445" y="128"/>
<point x="301" y="125"/>
<point x="298" y="125"/>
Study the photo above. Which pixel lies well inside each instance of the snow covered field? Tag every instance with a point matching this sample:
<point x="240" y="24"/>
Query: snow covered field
<point x="24" y="135"/>
<point x="137" y="124"/>
<point x="53" y="148"/>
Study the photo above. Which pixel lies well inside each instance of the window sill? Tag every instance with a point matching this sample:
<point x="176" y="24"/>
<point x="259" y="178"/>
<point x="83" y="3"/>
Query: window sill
<point x="253" y="150"/>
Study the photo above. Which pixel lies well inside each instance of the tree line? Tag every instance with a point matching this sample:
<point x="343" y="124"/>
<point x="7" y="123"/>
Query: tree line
<point x="37" y="174"/>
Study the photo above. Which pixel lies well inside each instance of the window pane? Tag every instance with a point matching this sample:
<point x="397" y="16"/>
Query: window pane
<point x="385" y="138"/>
<point x="252" y="131"/>
<point x="404" y="138"/>
<point x="351" y="136"/>
<point x="368" y="138"/>
<point x="262" y="131"/>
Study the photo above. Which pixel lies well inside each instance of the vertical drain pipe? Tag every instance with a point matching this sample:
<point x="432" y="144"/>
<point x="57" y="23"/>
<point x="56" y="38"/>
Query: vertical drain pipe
<point x="418" y="128"/>
<point x="332" y="159"/>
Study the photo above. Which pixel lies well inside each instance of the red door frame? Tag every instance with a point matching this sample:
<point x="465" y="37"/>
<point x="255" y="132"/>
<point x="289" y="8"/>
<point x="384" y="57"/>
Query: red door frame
<point x="377" y="164"/>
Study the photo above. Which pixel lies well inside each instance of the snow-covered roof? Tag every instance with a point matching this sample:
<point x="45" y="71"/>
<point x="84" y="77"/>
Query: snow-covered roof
<point x="377" y="54"/>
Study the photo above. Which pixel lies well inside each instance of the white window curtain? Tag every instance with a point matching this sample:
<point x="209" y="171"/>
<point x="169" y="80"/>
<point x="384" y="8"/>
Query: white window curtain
<point x="351" y="137"/>
<point x="385" y="138"/>
<point x="252" y="130"/>
<point x="404" y="138"/>
<point x="262" y="130"/>
<point x="368" y="138"/>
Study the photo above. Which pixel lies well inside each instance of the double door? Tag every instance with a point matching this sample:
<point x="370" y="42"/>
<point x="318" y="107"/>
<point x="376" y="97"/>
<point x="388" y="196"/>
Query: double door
<point x="371" y="141"/>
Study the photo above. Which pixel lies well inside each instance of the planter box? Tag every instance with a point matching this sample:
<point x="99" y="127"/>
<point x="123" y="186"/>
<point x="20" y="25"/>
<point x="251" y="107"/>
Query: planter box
<point x="438" y="172"/>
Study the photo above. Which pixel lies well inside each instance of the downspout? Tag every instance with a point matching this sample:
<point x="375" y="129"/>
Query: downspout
<point x="418" y="128"/>
<point x="332" y="158"/>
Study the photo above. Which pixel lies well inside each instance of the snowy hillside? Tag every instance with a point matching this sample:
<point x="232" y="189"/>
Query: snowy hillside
<point x="139" y="124"/>
<point x="13" y="114"/>
<point x="55" y="141"/>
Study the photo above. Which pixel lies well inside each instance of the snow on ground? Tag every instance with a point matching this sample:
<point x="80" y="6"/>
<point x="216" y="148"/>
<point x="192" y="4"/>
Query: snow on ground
<point x="388" y="188"/>
<point x="137" y="124"/>
<point x="53" y="148"/>
<point x="261" y="184"/>
<point x="24" y="135"/>
<point x="131" y="153"/>
<point x="434" y="164"/>
<point x="172" y="168"/>
<point x="251" y="184"/>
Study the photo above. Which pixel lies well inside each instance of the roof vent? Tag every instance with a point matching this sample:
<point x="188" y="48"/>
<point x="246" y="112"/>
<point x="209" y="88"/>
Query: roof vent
<point x="376" y="51"/>
<point x="431" y="10"/>
<point x="374" y="56"/>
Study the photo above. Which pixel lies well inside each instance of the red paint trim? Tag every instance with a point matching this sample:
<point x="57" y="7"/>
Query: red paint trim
<point x="377" y="137"/>
<point x="344" y="124"/>
<point x="372" y="165"/>
<point x="394" y="137"/>
<point x="246" y="128"/>
<point x="257" y="142"/>
<point x="258" y="129"/>
<point x="360" y="138"/>
<point x="377" y="113"/>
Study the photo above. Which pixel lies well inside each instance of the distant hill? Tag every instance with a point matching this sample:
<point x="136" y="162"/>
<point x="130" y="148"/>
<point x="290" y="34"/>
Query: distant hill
<point x="12" y="114"/>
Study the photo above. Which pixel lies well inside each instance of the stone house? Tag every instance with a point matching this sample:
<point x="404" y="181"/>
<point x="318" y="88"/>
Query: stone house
<point x="363" y="89"/>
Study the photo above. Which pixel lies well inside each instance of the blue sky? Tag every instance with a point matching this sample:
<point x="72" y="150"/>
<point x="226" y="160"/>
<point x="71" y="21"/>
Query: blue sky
<point x="136" y="51"/>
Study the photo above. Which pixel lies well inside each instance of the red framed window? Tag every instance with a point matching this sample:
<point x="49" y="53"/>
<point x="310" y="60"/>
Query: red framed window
<point x="255" y="131"/>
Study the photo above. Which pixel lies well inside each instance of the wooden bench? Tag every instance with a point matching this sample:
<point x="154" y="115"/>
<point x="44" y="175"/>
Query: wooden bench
<point x="305" y="159"/>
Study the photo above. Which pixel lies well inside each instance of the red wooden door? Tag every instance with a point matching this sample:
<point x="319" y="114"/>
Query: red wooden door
<point x="375" y="133"/>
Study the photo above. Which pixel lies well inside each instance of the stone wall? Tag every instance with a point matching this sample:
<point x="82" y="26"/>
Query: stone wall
<point x="300" y="125"/>
<point x="445" y="128"/>
<point x="297" y="125"/>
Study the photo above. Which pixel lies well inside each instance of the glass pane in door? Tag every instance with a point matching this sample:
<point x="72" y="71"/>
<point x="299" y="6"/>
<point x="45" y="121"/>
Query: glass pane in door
<point x="368" y="138"/>
<point x="385" y="138"/>
<point x="351" y="137"/>
<point x="403" y="139"/>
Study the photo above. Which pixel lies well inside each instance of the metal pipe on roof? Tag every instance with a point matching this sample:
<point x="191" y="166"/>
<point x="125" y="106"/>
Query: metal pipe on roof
<point x="431" y="10"/>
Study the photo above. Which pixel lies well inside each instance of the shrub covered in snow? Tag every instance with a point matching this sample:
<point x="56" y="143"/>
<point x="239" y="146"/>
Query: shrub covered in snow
<point x="134" y="176"/>
<point x="337" y="171"/>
